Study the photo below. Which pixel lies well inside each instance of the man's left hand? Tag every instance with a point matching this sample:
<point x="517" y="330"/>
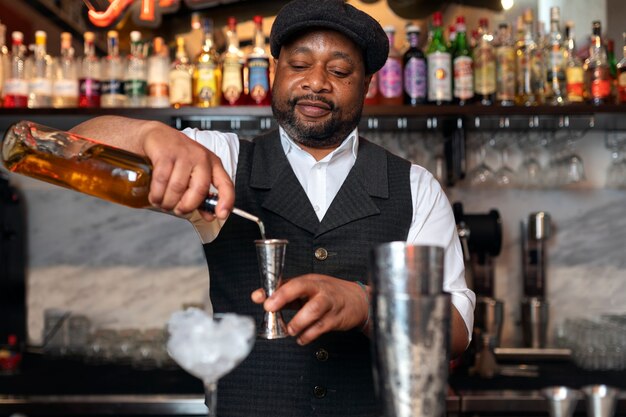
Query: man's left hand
<point x="325" y="304"/>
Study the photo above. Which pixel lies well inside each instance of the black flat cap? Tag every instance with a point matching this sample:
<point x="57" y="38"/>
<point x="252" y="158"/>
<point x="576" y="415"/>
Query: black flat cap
<point x="300" y="15"/>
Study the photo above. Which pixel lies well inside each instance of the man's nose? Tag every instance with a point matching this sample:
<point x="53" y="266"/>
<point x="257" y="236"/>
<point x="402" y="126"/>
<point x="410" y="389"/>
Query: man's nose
<point x="317" y="80"/>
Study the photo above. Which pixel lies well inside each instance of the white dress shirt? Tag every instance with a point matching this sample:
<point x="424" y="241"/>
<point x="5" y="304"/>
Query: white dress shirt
<point x="432" y="224"/>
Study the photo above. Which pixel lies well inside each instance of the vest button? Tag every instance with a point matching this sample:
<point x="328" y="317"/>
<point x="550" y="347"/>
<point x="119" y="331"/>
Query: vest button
<point x="319" y="391"/>
<point x="321" y="355"/>
<point x="321" y="254"/>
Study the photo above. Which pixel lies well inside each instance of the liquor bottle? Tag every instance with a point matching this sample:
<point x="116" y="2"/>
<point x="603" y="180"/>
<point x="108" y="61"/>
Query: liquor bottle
<point x="65" y="86"/>
<point x="258" y="64"/>
<point x="136" y="80"/>
<point x="414" y="63"/>
<point x="526" y="53"/>
<point x="574" y="72"/>
<point x="485" y="66"/>
<point x="158" y="75"/>
<point x="597" y="72"/>
<point x="40" y="83"/>
<point x="232" y="63"/>
<point x="439" y="65"/>
<point x="372" y="97"/>
<point x="555" y="58"/>
<point x="112" y="74"/>
<point x="206" y="75"/>
<point x="80" y="164"/>
<point x="505" y="66"/>
<point x="621" y="75"/>
<point x="16" y="85"/>
<point x="89" y="81"/>
<point x="390" y="75"/>
<point x="463" y="65"/>
<point x="181" y="73"/>
<point x="610" y="56"/>
<point x="5" y="61"/>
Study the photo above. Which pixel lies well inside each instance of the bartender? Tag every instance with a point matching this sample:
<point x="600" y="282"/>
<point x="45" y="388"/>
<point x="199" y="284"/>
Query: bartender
<point x="315" y="182"/>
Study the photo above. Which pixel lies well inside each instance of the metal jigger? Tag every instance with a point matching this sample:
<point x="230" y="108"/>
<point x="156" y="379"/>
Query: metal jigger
<point x="601" y="400"/>
<point x="561" y="400"/>
<point x="271" y="257"/>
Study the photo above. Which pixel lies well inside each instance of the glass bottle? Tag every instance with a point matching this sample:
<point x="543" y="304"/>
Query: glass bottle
<point x="181" y="73"/>
<point x="136" y="80"/>
<point x="206" y="75"/>
<point x="485" y="65"/>
<point x="5" y="61"/>
<point x="40" y="83"/>
<point x="505" y="66"/>
<point x="113" y="74"/>
<point x="414" y="63"/>
<point x="89" y="81"/>
<point x="390" y="75"/>
<point x="555" y="58"/>
<point x="526" y="53"/>
<point x="158" y="75"/>
<point x="16" y="85"/>
<point x="232" y="63"/>
<point x="574" y="72"/>
<point x="439" y="65"/>
<point x="463" y="65"/>
<point x="258" y="64"/>
<point x="65" y="86"/>
<point x="597" y="72"/>
<point x="621" y="75"/>
<point x="81" y="164"/>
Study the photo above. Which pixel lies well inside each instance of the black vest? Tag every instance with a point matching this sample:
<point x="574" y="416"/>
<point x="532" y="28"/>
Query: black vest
<point x="332" y="376"/>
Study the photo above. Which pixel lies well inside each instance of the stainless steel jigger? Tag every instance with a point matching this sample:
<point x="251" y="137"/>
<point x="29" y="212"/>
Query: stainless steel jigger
<point x="271" y="257"/>
<point x="561" y="400"/>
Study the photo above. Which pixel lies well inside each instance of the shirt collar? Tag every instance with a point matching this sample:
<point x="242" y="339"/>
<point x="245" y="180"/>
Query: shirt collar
<point x="350" y="143"/>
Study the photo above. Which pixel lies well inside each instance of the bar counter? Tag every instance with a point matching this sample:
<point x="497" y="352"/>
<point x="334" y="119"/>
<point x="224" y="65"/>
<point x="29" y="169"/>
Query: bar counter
<point x="47" y="386"/>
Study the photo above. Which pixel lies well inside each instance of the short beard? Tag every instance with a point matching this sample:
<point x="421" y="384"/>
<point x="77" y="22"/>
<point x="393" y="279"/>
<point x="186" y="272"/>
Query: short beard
<point x="328" y="134"/>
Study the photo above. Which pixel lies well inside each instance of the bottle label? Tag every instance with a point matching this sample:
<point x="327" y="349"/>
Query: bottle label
<point x="41" y="86"/>
<point x="575" y="83"/>
<point x="258" y="78"/>
<point x="180" y="87"/>
<point x="16" y="87"/>
<point x="463" y="78"/>
<point x="439" y="76"/>
<point x="485" y="71"/>
<point x="600" y="88"/>
<point x="135" y="88"/>
<point x="89" y="87"/>
<point x="65" y="88"/>
<point x="206" y="85"/>
<point x="112" y="87"/>
<point x="232" y="83"/>
<point x="415" y="78"/>
<point x="505" y="73"/>
<point x="159" y="90"/>
<point x="390" y="78"/>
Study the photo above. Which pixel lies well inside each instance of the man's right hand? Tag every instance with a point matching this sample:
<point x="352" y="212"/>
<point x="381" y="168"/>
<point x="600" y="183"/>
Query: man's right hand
<point x="183" y="170"/>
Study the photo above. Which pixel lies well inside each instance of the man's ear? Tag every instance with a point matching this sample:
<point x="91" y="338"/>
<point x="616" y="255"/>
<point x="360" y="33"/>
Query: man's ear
<point x="366" y="83"/>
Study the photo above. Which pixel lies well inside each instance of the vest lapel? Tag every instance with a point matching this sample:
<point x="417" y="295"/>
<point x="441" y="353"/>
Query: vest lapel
<point x="286" y="197"/>
<point x="367" y="179"/>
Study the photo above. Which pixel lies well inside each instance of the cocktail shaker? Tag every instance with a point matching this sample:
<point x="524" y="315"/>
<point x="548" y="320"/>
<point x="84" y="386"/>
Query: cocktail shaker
<point x="411" y="322"/>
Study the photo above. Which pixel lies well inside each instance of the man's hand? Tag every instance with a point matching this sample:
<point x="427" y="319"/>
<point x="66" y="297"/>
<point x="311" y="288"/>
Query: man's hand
<point x="325" y="304"/>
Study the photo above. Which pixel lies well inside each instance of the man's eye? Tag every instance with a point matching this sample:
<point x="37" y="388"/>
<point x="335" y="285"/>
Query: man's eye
<point x="340" y="73"/>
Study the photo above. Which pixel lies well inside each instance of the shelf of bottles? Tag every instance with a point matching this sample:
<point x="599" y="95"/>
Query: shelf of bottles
<point x="477" y="80"/>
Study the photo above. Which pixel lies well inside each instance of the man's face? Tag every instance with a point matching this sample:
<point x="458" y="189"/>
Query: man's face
<point x="319" y="88"/>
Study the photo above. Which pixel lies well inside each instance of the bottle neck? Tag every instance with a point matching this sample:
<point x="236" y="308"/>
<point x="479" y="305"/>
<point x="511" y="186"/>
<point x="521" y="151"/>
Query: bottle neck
<point x="232" y="40"/>
<point x="90" y="50"/>
<point x="113" y="47"/>
<point x="135" y="50"/>
<point x="555" y="29"/>
<point x="414" y="39"/>
<point x="181" y="54"/>
<point x="259" y="38"/>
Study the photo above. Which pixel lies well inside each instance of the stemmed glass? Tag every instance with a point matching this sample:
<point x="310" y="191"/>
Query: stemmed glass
<point x="530" y="171"/>
<point x="504" y="176"/>
<point x="481" y="175"/>
<point x="573" y="168"/>
<point x="616" y="171"/>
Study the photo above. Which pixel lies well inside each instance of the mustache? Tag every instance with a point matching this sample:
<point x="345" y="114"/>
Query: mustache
<point x="312" y="97"/>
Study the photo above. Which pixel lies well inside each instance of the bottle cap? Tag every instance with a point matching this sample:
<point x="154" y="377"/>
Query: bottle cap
<point x="390" y="28"/>
<point x="17" y="36"/>
<point x="258" y="19"/>
<point x="232" y="23"/>
<point x="555" y="14"/>
<point x="412" y="28"/>
<point x="66" y="40"/>
<point x="483" y="22"/>
<point x="158" y="45"/>
<point x="89" y="36"/>
<point x="112" y="34"/>
<point x="135" y="36"/>
<point x="437" y="19"/>
<point x="40" y="37"/>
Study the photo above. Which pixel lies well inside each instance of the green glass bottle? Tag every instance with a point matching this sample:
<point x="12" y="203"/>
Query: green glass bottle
<point x="439" y="65"/>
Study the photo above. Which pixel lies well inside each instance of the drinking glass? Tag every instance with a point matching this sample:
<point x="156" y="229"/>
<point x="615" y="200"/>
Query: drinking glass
<point x="505" y="176"/>
<point x="530" y="172"/>
<point x="616" y="171"/>
<point x="481" y="175"/>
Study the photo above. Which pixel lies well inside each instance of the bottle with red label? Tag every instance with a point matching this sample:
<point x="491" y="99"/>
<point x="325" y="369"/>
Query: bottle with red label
<point x="16" y="84"/>
<point x="390" y="75"/>
<point x="597" y="71"/>
<point x="463" y="66"/>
